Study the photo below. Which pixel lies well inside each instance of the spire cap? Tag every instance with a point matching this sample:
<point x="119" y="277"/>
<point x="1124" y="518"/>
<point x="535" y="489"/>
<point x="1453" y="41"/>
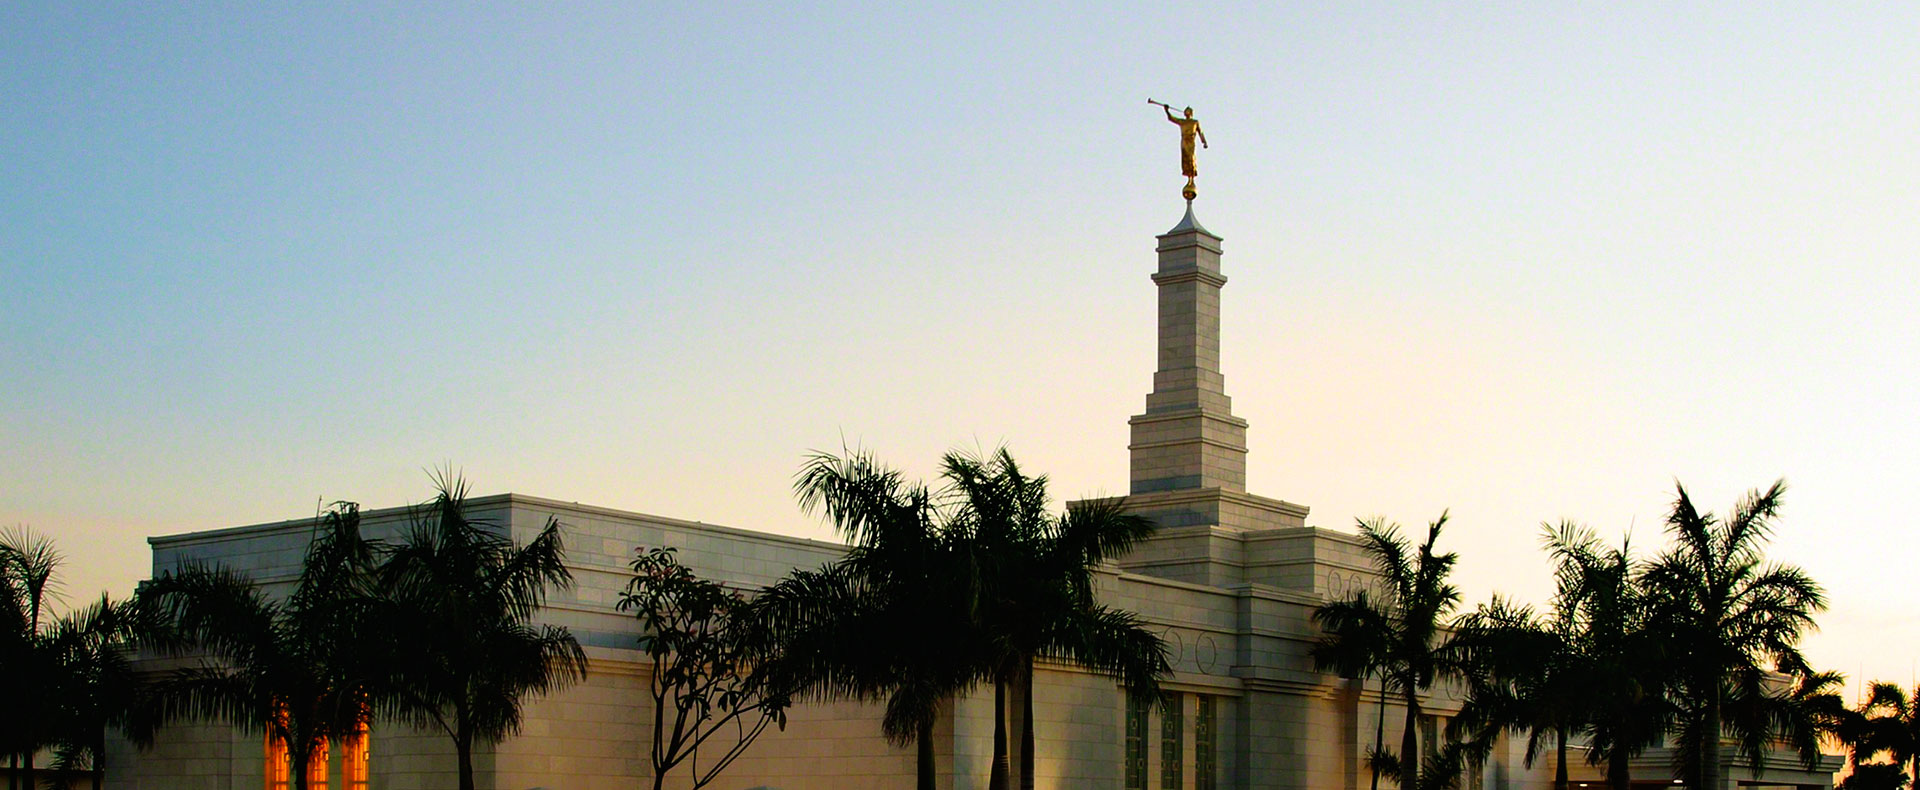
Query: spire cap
<point x="1189" y="225"/>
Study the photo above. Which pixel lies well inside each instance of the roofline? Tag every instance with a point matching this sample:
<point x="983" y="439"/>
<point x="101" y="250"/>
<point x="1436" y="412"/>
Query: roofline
<point x="508" y="499"/>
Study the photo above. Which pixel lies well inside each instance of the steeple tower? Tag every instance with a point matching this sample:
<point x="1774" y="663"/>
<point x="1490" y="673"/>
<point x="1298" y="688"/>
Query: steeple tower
<point x="1188" y="454"/>
<point x="1188" y="438"/>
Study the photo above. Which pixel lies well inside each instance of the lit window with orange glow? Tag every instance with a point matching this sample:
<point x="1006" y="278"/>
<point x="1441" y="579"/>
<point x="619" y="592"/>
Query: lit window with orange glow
<point x="317" y="768"/>
<point x="277" y="774"/>
<point x="353" y="764"/>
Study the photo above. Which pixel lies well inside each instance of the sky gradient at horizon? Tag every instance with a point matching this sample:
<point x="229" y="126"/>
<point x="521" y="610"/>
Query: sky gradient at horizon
<point x="1528" y="265"/>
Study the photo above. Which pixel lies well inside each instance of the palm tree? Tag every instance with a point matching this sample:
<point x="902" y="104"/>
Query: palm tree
<point x="1000" y="514"/>
<point x="1887" y="722"/>
<point x="1875" y="776"/>
<point x="1622" y="659"/>
<point x="1404" y="640"/>
<point x="892" y="620"/>
<point x="1037" y="589"/>
<point x="1732" y="616"/>
<point x="27" y="564"/>
<point x="1803" y="716"/>
<point x="94" y="686"/>
<point x="1357" y="652"/>
<point x="289" y="667"/>
<point x="463" y="593"/>
<point x="67" y="677"/>
<point x="829" y="622"/>
<point x="1590" y="665"/>
<point x="962" y="587"/>
<point x="1526" y="675"/>
<point x="26" y="572"/>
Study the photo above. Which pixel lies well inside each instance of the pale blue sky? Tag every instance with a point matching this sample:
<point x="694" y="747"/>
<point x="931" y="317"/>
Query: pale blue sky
<point x="1527" y="262"/>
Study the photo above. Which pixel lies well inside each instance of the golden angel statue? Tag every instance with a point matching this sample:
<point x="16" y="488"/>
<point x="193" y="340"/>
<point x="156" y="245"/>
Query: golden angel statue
<point x="1189" y="129"/>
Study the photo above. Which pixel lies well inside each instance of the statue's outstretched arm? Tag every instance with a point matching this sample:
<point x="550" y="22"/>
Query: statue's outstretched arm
<point x="1169" y="112"/>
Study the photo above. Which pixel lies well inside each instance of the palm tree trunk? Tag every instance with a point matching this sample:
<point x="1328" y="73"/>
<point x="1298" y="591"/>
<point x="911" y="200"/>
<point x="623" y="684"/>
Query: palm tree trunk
<point x="463" y="752"/>
<point x="924" y="763"/>
<point x="997" y="778"/>
<point x="1026" y="726"/>
<point x="297" y="756"/>
<point x="1379" y="729"/>
<point x="1619" y="774"/>
<point x="1409" y="740"/>
<point x="31" y="782"/>
<point x="1710" y="743"/>
<point x="1560" y="758"/>
<point x="100" y="760"/>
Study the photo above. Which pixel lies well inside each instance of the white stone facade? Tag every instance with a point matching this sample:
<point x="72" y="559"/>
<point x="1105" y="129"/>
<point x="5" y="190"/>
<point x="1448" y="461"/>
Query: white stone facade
<point x="1230" y="579"/>
<point x="1243" y="647"/>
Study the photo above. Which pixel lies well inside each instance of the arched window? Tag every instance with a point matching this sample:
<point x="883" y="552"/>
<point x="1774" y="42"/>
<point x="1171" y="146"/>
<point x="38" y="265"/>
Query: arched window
<point x="353" y="764"/>
<point x="317" y="768"/>
<point x="277" y="774"/>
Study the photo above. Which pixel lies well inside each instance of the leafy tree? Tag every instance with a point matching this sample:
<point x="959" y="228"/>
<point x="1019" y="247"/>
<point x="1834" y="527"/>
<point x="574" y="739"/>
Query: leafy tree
<point x="1404" y="640"/>
<point x="463" y="594"/>
<point x="289" y="667"/>
<point x="1036" y="589"/>
<point x="712" y="667"/>
<point x="1733" y="618"/>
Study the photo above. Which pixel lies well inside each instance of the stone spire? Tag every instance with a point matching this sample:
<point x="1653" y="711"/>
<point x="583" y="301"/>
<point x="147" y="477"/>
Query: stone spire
<point x="1189" y="453"/>
<point x="1188" y="438"/>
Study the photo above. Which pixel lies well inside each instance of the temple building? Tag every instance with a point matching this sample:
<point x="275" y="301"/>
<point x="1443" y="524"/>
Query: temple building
<point x="1230" y="580"/>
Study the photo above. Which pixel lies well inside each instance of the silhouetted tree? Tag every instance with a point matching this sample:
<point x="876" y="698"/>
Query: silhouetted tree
<point x="1036" y="589"/>
<point x="713" y="666"/>
<point x="464" y="595"/>
<point x="1888" y="723"/>
<point x="93" y="686"/>
<point x="1732" y="618"/>
<point x="1406" y="637"/>
<point x="28" y="564"/>
<point x="892" y="620"/>
<point x="1623" y="657"/>
<point x="289" y="667"/>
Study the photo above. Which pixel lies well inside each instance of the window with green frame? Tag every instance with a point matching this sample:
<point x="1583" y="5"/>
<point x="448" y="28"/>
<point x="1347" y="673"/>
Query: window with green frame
<point x="1137" y="711"/>
<point x="1204" y="728"/>
<point x="1172" y="742"/>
